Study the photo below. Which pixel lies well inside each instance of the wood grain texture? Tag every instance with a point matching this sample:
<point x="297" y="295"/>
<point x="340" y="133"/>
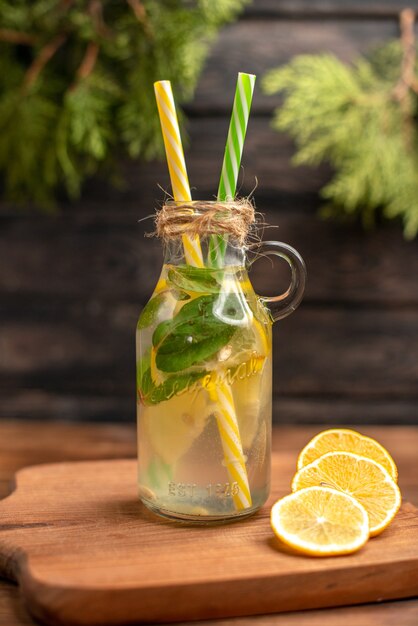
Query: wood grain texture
<point x="96" y="406"/>
<point x="259" y="45"/>
<point x="399" y="613"/>
<point x="85" y="551"/>
<point x="80" y="364"/>
<point x="301" y="9"/>
<point x="105" y="257"/>
<point x="67" y="327"/>
<point x="31" y="442"/>
<point x="24" y="443"/>
<point x="317" y="351"/>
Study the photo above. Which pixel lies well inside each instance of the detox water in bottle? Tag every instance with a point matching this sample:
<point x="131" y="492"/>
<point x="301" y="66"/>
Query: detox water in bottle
<point x="204" y="347"/>
<point x="204" y="373"/>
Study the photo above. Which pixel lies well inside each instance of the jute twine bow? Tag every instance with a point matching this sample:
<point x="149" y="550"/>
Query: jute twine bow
<point x="233" y="218"/>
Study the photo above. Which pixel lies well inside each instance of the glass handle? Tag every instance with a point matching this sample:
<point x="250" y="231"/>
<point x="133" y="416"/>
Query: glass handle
<point x="282" y="305"/>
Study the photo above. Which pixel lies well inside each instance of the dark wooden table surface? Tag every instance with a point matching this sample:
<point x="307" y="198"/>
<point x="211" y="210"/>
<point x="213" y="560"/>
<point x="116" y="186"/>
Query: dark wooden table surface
<point x="27" y="443"/>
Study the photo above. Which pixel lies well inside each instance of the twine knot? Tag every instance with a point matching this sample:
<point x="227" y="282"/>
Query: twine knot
<point x="234" y="218"/>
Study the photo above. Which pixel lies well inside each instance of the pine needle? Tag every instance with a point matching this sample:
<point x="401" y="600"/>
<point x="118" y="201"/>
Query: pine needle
<point x="361" y="120"/>
<point x="76" y="85"/>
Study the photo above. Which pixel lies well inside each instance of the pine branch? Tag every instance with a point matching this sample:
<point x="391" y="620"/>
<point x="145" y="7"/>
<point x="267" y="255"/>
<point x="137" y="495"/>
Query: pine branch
<point x="407" y="79"/>
<point x="96" y="12"/>
<point x="17" y="37"/>
<point x="82" y="96"/>
<point x="45" y="55"/>
<point x="89" y="61"/>
<point x="361" y="120"/>
<point x="141" y="15"/>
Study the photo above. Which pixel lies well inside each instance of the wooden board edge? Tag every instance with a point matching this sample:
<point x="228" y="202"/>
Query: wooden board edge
<point x="112" y="607"/>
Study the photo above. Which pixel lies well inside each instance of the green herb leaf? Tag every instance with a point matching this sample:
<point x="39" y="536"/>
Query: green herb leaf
<point x="150" y="311"/>
<point x="159" y="472"/>
<point x="193" y="335"/>
<point x="195" y="279"/>
<point x="177" y="354"/>
<point x="162" y="330"/>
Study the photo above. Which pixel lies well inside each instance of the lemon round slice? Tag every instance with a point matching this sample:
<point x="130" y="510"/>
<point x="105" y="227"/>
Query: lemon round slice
<point x="364" y="479"/>
<point x="346" y="440"/>
<point x="172" y="426"/>
<point x="320" y="522"/>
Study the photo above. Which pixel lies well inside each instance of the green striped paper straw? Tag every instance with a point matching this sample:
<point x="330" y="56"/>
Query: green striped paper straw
<point x="232" y="157"/>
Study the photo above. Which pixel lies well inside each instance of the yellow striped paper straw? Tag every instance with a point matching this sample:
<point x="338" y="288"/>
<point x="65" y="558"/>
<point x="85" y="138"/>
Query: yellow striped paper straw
<point x="231" y="444"/>
<point x="226" y="419"/>
<point x="176" y="163"/>
<point x="221" y="394"/>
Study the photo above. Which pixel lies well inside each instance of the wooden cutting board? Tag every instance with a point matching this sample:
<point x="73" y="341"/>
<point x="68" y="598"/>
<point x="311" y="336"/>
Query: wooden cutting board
<point x="85" y="551"/>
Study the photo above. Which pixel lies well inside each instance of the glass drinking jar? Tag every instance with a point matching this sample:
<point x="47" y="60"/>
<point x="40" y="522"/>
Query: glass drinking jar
<point x="204" y="380"/>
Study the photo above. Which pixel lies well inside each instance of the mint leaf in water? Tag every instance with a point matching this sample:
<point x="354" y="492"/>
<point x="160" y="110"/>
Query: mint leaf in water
<point x="192" y="336"/>
<point x="162" y="330"/>
<point x="150" y="311"/>
<point x="195" y="279"/>
<point x="187" y="348"/>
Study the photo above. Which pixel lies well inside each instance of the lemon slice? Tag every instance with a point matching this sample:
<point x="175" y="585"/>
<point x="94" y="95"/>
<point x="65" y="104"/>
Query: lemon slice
<point x="262" y="339"/>
<point x="320" y="522"/>
<point x="364" y="479"/>
<point x="160" y="286"/>
<point x="343" y="439"/>
<point x="252" y="395"/>
<point x="173" y="425"/>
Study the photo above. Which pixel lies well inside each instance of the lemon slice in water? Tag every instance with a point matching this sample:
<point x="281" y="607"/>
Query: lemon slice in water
<point x="173" y="425"/>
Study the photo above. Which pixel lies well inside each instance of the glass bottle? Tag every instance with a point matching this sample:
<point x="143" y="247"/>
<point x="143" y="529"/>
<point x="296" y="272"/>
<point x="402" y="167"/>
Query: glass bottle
<point x="204" y="382"/>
